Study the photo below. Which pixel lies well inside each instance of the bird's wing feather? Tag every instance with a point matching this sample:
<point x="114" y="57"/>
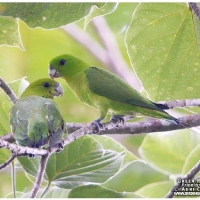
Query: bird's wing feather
<point x="108" y="85"/>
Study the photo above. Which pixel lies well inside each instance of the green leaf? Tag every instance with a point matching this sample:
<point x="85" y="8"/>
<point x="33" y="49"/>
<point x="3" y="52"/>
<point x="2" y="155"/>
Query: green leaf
<point x="191" y="160"/>
<point x="82" y="161"/>
<point x="168" y="151"/>
<point x="155" y="190"/>
<point x="163" y="45"/>
<point x="4" y="155"/>
<point x="47" y="15"/>
<point x="134" y="176"/>
<point x="30" y="165"/>
<point x="104" y="10"/>
<point x="18" y="195"/>
<point x="110" y="144"/>
<point x="55" y="192"/>
<point x="96" y="191"/>
<point x="9" y="32"/>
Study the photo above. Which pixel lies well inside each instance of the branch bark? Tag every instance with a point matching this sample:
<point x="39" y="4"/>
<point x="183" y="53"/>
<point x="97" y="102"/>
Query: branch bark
<point x="6" y="163"/>
<point x="195" y="8"/>
<point x="190" y="175"/>
<point x="40" y="175"/>
<point x="13" y="98"/>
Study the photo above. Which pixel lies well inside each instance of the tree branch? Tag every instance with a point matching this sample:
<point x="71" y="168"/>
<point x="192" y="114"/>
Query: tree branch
<point x="78" y="130"/>
<point x="40" y="175"/>
<point x="8" y="137"/>
<point x="190" y="175"/>
<point x="182" y="103"/>
<point x="195" y="8"/>
<point x="6" y="163"/>
<point x="8" y="91"/>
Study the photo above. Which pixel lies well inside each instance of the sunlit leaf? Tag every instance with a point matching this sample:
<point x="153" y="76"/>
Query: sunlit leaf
<point x="4" y="155"/>
<point x="156" y="190"/>
<point x="47" y="15"/>
<point x="191" y="160"/>
<point x="163" y="45"/>
<point x="56" y="192"/>
<point x="9" y="32"/>
<point x="96" y="11"/>
<point x="168" y="151"/>
<point x="96" y="191"/>
<point x="134" y="176"/>
<point x="110" y="144"/>
<point x="82" y="161"/>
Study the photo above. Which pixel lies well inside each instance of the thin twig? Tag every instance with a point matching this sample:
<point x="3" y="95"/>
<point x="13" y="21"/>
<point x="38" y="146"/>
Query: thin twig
<point x="8" y="91"/>
<point x="13" y="179"/>
<point x="40" y="175"/>
<point x="182" y="103"/>
<point x="190" y="175"/>
<point x="6" y="163"/>
<point x="8" y="137"/>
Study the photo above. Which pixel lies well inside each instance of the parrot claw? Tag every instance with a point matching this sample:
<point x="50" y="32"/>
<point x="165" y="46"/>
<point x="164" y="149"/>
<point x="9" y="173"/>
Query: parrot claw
<point x="31" y="155"/>
<point x="60" y="147"/>
<point x="97" y="125"/>
<point x="117" y="118"/>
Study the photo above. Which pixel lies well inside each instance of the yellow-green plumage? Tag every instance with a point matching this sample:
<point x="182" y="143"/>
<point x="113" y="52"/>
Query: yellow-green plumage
<point x="102" y="89"/>
<point x="35" y="118"/>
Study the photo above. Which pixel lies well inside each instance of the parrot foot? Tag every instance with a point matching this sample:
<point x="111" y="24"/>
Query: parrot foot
<point x="31" y="156"/>
<point x="60" y="147"/>
<point x="117" y="118"/>
<point x="97" y="125"/>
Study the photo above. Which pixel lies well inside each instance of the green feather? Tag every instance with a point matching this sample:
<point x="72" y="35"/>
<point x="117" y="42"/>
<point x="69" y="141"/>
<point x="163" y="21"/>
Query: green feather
<point x="102" y="89"/>
<point x="35" y="120"/>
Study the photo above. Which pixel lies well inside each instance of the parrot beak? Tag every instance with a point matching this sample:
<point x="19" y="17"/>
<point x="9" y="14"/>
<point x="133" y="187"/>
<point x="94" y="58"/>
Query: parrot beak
<point x="53" y="73"/>
<point x="58" y="90"/>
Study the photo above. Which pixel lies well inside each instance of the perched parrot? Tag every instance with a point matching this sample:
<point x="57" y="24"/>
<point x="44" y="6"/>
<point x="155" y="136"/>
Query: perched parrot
<point x="35" y="119"/>
<point x="103" y="90"/>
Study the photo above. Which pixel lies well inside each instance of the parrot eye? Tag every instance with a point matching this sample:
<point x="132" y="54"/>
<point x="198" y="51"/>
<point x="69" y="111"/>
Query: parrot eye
<point x="62" y="62"/>
<point x="46" y="85"/>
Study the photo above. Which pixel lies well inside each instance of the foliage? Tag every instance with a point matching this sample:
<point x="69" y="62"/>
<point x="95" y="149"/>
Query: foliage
<point x="162" y="42"/>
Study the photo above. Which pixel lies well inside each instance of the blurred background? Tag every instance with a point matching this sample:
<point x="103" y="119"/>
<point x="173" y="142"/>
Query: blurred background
<point x="100" y="44"/>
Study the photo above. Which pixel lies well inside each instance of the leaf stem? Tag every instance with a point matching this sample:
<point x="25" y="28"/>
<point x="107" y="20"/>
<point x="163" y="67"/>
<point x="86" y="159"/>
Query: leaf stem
<point x="13" y="174"/>
<point x="40" y="175"/>
<point x="46" y="190"/>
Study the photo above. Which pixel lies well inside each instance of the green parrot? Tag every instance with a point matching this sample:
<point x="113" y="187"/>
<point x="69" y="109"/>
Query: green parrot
<point x="104" y="90"/>
<point x="35" y="119"/>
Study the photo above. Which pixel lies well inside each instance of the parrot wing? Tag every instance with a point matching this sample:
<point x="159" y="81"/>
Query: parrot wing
<point x="55" y="124"/>
<point x="35" y="121"/>
<point x="108" y="85"/>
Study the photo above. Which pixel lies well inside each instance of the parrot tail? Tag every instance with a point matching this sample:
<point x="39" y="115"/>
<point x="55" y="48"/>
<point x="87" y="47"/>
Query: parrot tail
<point x="161" y="106"/>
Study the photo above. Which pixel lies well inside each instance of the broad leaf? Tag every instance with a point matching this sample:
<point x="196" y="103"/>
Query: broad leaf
<point x="191" y="160"/>
<point x="110" y="144"/>
<point x="104" y="10"/>
<point x="9" y="32"/>
<point x="134" y="176"/>
<point x="168" y="151"/>
<point x="47" y="15"/>
<point x="82" y="161"/>
<point x="163" y="45"/>
<point x="156" y="190"/>
<point x="96" y="191"/>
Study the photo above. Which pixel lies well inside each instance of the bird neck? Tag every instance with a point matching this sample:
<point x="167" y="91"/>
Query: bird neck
<point x="77" y="68"/>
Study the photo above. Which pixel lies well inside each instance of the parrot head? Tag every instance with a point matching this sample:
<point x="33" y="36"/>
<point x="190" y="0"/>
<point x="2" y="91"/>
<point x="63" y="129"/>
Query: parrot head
<point x="45" y="87"/>
<point x="65" y="66"/>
